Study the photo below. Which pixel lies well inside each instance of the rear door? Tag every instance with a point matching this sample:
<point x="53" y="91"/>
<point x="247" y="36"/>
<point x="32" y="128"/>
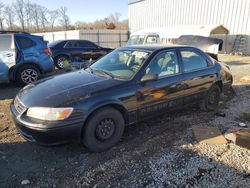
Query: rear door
<point x="74" y="49"/>
<point x="7" y="55"/>
<point x="91" y="50"/>
<point x="199" y="74"/>
<point x="165" y="93"/>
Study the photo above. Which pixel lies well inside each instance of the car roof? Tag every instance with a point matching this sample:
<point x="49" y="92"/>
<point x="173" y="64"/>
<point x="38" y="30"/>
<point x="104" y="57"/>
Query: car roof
<point x="66" y="40"/>
<point x="153" y="47"/>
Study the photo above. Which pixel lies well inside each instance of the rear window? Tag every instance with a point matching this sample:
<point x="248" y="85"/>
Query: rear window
<point x="55" y="43"/>
<point x="152" y="39"/>
<point x="136" y="39"/>
<point x="25" y="42"/>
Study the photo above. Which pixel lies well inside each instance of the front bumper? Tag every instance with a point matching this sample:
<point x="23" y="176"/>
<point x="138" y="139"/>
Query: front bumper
<point x="62" y="133"/>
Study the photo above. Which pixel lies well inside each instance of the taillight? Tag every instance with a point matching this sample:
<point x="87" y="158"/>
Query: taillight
<point x="47" y="51"/>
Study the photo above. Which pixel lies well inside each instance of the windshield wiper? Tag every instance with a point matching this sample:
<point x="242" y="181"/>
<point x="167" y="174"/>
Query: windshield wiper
<point x="106" y="73"/>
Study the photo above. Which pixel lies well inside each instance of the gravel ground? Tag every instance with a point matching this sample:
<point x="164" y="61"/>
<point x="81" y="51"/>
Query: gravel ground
<point x="158" y="153"/>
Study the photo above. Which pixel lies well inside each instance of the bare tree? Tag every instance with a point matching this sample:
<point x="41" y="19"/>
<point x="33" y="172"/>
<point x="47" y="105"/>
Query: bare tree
<point x="9" y="16"/>
<point x="28" y="16"/>
<point x="1" y="15"/>
<point x="64" y="18"/>
<point x="35" y="16"/>
<point x="53" y="15"/>
<point x="114" y="18"/>
<point x="43" y="17"/>
<point x="20" y="12"/>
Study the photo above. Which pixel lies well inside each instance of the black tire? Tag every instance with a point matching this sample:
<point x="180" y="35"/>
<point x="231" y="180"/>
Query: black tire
<point x="27" y="74"/>
<point x="211" y="100"/>
<point x="59" y="59"/>
<point x="96" y="137"/>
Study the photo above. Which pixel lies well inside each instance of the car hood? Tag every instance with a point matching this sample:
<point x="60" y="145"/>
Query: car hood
<point x="65" y="89"/>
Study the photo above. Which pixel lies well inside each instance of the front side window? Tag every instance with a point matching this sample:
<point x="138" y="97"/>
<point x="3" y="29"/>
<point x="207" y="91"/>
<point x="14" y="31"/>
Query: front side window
<point x="120" y="64"/>
<point x="164" y="64"/>
<point x="192" y="60"/>
<point x="72" y="44"/>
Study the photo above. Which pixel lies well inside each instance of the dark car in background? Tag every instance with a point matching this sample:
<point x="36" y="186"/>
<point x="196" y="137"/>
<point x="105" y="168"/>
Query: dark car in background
<point x="75" y="50"/>
<point x="23" y="57"/>
<point x="128" y="85"/>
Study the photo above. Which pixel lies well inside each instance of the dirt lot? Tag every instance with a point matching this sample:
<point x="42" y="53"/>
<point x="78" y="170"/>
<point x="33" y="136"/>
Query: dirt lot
<point x="157" y="153"/>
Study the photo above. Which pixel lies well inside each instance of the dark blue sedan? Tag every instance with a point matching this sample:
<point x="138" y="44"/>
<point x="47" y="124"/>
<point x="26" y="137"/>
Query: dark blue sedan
<point x="128" y="85"/>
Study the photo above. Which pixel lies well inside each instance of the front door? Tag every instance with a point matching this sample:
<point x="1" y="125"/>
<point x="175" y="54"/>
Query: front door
<point x="7" y="55"/>
<point x="165" y="93"/>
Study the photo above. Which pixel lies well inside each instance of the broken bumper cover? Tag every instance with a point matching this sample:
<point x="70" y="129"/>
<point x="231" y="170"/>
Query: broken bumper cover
<point x="64" y="132"/>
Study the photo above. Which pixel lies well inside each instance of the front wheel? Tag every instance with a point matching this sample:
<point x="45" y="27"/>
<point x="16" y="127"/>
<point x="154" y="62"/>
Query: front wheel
<point x="103" y="130"/>
<point x="211" y="100"/>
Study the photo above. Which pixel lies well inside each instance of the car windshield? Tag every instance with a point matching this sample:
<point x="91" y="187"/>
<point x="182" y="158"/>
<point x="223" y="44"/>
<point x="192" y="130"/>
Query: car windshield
<point x="136" y="39"/>
<point x="120" y="64"/>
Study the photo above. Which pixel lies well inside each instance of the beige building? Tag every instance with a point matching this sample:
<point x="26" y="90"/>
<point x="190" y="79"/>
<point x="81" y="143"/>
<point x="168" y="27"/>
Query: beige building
<point x="233" y="14"/>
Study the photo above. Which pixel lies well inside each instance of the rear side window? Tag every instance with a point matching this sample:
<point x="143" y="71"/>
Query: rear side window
<point x="87" y="44"/>
<point x="192" y="60"/>
<point x="25" y="42"/>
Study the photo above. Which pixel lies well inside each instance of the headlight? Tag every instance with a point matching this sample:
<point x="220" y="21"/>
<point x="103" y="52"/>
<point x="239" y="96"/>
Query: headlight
<point x="49" y="114"/>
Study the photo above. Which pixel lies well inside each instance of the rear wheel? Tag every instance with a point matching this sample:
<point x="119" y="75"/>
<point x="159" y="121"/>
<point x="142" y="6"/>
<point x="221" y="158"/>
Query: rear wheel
<point x="211" y="101"/>
<point x="27" y="74"/>
<point x="103" y="130"/>
<point x="59" y="61"/>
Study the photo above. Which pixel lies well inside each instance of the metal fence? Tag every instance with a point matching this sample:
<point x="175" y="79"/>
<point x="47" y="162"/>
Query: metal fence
<point x="105" y="38"/>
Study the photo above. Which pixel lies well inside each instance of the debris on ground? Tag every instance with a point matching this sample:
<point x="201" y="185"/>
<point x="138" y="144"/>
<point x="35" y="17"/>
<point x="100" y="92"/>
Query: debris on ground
<point x="246" y="116"/>
<point x="243" y="138"/>
<point x="4" y="128"/>
<point x="209" y="135"/>
<point x="245" y="79"/>
<point x="221" y="114"/>
<point x="242" y="125"/>
<point x="230" y="134"/>
<point x="25" y="182"/>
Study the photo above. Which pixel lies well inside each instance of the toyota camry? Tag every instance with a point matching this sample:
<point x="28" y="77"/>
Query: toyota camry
<point x="128" y="85"/>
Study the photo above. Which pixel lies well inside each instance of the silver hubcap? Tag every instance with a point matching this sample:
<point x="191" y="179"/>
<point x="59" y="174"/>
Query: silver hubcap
<point x="60" y="62"/>
<point x="29" y="76"/>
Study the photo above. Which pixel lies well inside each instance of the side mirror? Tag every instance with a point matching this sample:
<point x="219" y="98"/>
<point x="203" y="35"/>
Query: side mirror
<point x="149" y="77"/>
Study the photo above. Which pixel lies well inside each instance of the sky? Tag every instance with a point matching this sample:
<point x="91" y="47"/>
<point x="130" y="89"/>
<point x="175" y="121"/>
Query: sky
<point x="85" y="10"/>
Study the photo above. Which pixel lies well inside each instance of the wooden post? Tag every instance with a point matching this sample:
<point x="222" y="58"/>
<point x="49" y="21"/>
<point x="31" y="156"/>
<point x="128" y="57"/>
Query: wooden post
<point x="98" y="37"/>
